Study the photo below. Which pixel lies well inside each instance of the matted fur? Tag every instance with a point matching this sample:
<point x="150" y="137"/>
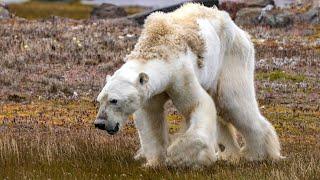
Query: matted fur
<point x="166" y="35"/>
<point x="168" y="53"/>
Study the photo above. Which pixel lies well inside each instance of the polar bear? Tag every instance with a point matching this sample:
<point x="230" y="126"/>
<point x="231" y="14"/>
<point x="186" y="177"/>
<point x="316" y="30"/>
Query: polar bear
<point x="201" y="60"/>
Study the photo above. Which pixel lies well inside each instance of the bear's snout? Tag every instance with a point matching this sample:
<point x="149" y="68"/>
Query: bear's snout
<point x="109" y="127"/>
<point x="113" y="129"/>
<point x="100" y="123"/>
<point x="100" y="126"/>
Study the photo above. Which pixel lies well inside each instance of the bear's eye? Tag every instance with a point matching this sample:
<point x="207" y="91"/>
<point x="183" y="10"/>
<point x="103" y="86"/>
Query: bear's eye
<point x="113" y="101"/>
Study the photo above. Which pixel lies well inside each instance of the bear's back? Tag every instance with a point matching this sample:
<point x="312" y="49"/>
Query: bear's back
<point x="166" y="35"/>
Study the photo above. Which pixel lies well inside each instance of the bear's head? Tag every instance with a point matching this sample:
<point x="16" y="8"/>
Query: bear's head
<point x="120" y="97"/>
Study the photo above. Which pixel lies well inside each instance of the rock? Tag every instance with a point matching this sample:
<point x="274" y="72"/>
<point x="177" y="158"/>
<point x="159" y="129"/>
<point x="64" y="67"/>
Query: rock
<point x="258" y="3"/>
<point x="140" y="17"/>
<point x="4" y="13"/>
<point x="248" y="16"/>
<point x="233" y="6"/>
<point x="2" y="4"/>
<point x="283" y="19"/>
<point x="264" y="16"/>
<point x="312" y="16"/>
<point x="108" y="11"/>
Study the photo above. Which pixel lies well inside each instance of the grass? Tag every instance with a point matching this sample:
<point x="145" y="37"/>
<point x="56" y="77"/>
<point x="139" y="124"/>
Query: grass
<point x="46" y="130"/>
<point x="33" y="146"/>
<point x="281" y="75"/>
<point x="37" y="9"/>
<point x="134" y="9"/>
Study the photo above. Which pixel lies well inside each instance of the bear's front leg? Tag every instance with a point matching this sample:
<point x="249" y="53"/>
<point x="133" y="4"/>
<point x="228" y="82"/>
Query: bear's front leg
<point x="190" y="151"/>
<point x="153" y="132"/>
<point x="198" y="146"/>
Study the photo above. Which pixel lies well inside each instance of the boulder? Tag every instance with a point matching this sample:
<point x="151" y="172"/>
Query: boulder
<point x="248" y="16"/>
<point x="282" y="19"/>
<point x="108" y="11"/>
<point x="312" y="16"/>
<point x="233" y="6"/>
<point x="264" y="16"/>
<point x="258" y="3"/>
<point x="140" y="17"/>
<point x="4" y="13"/>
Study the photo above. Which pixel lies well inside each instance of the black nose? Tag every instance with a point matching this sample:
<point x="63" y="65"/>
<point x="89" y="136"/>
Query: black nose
<point x="100" y="126"/>
<point x="114" y="130"/>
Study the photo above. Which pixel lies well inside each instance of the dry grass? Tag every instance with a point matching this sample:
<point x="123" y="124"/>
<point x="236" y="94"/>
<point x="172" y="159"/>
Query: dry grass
<point x="57" y="57"/>
<point x="46" y="130"/>
<point x="135" y="9"/>
<point x="37" y="9"/>
<point x="43" y="10"/>
<point x="55" y="139"/>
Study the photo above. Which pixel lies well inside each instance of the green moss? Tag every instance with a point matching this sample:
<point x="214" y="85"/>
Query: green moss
<point x="280" y="75"/>
<point x="38" y="10"/>
<point x="73" y="9"/>
<point x="134" y="9"/>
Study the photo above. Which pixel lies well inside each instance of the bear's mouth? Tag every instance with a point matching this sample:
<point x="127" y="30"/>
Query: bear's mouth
<point x="105" y="126"/>
<point x="113" y="130"/>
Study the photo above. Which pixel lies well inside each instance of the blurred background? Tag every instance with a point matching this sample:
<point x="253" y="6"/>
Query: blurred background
<point x="80" y="9"/>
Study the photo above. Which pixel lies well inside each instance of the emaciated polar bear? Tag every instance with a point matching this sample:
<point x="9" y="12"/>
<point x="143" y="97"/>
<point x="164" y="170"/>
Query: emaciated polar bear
<point x="192" y="56"/>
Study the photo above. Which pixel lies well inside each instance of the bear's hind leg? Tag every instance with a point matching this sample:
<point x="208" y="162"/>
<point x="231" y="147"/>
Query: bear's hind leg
<point x="260" y="136"/>
<point x="236" y="97"/>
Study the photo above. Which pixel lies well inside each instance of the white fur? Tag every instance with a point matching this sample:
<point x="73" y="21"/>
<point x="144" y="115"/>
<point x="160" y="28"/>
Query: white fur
<point x="227" y="75"/>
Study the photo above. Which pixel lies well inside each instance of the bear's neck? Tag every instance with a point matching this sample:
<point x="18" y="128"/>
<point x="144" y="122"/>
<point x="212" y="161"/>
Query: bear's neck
<point x="157" y="70"/>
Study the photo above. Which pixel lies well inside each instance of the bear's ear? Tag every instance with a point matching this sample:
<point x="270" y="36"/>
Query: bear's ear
<point x="143" y="78"/>
<point x="108" y="78"/>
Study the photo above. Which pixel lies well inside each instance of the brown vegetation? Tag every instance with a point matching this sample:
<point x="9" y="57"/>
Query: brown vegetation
<point x="57" y="57"/>
<point x="51" y="71"/>
<point x="74" y="10"/>
<point x="37" y="9"/>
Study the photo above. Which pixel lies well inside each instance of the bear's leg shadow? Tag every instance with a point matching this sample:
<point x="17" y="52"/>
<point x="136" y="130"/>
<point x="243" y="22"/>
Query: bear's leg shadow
<point x="236" y="96"/>
<point x="153" y="131"/>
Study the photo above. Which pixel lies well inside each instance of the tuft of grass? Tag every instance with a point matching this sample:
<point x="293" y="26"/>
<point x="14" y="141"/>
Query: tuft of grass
<point x="134" y="9"/>
<point x="280" y="75"/>
<point x="34" y="146"/>
<point x="40" y="10"/>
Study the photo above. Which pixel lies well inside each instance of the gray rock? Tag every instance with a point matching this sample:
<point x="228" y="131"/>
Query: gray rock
<point x="259" y="16"/>
<point x="140" y="17"/>
<point x="4" y="13"/>
<point x="312" y="16"/>
<point x="283" y="19"/>
<point x="108" y="11"/>
<point x="258" y="3"/>
<point x="248" y="16"/>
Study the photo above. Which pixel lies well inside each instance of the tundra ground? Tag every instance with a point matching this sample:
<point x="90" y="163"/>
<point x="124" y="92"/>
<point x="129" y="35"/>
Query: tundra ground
<point x="52" y="70"/>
